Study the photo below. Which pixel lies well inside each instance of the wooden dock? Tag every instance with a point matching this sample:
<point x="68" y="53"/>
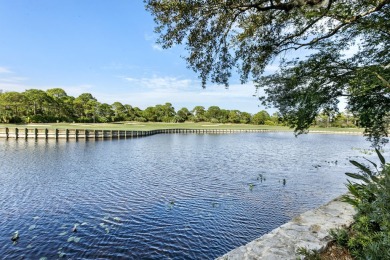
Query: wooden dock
<point x="45" y="133"/>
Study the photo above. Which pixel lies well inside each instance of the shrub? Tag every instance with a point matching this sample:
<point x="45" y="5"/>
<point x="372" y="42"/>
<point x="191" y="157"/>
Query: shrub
<point x="42" y="119"/>
<point x="340" y="236"/>
<point x="369" y="236"/>
<point x="141" y="119"/>
<point x="309" y="254"/>
<point x="178" y="119"/>
<point x="269" y="122"/>
<point x="15" y="120"/>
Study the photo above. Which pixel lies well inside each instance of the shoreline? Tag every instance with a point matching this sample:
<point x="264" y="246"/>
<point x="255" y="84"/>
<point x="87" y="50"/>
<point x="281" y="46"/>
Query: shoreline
<point x="309" y="230"/>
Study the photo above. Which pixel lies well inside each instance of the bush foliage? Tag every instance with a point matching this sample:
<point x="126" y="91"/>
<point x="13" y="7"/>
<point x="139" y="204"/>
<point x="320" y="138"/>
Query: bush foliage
<point x="369" y="235"/>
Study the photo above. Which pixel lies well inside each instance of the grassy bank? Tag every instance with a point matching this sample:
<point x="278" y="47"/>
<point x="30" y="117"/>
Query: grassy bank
<point x="153" y="126"/>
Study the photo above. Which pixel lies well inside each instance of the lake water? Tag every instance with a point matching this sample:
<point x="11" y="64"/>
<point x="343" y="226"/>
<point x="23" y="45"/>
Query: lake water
<point x="171" y="196"/>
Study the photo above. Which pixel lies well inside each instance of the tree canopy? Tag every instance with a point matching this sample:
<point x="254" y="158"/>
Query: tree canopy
<point x="346" y="43"/>
<point x="54" y="105"/>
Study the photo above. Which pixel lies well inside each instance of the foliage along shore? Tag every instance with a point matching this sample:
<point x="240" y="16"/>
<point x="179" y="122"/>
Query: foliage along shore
<point x="54" y="106"/>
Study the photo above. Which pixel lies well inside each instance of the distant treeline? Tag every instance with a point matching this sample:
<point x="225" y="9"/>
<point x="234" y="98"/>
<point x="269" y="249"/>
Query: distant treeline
<point x="54" y="105"/>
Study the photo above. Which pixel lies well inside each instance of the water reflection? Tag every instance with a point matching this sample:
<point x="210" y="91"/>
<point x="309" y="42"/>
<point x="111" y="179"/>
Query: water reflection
<point x="166" y="196"/>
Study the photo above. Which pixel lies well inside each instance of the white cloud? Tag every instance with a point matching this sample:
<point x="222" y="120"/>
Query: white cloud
<point x="185" y="93"/>
<point x="149" y="37"/>
<point x="12" y="87"/>
<point x="352" y="50"/>
<point x="77" y="89"/>
<point x="152" y="38"/>
<point x="157" y="47"/>
<point x="270" y="69"/>
<point x="166" y="83"/>
<point x="4" y="70"/>
<point x="234" y="91"/>
<point x="12" y="79"/>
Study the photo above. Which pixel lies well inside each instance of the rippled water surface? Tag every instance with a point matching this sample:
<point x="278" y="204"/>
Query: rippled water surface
<point x="165" y="196"/>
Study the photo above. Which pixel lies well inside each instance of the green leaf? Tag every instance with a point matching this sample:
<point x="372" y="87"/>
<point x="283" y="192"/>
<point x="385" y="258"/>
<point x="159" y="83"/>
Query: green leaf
<point x="357" y="176"/>
<point x="374" y="179"/>
<point x="350" y="201"/>
<point x="381" y="158"/>
<point x="352" y="189"/>
<point x="371" y="162"/>
<point x="361" y="167"/>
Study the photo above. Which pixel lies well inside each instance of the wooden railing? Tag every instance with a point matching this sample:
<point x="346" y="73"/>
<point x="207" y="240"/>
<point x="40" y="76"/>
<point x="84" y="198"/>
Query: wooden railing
<point x="45" y="133"/>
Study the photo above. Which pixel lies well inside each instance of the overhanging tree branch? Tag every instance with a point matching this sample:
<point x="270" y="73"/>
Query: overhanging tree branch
<point x="266" y="28"/>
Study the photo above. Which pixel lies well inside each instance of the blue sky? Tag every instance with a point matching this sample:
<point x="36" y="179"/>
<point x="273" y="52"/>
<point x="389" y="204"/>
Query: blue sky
<point x="106" y="48"/>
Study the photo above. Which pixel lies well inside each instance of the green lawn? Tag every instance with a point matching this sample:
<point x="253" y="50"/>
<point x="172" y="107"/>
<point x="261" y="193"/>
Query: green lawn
<point x="152" y="126"/>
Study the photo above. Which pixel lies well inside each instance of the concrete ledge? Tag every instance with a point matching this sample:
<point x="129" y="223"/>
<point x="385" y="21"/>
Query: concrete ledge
<point x="309" y="230"/>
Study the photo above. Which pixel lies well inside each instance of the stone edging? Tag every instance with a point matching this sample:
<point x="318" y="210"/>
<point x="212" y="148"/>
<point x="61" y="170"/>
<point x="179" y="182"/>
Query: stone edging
<point x="308" y="230"/>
